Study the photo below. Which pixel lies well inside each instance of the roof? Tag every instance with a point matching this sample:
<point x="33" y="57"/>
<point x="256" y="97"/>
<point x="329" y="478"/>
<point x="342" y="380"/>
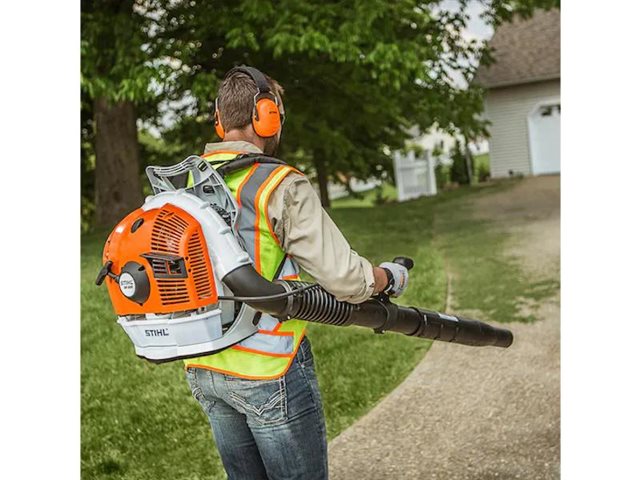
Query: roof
<point x="525" y="51"/>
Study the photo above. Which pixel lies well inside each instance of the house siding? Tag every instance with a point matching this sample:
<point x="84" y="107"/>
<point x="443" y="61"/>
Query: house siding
<point x="507" y="109"/>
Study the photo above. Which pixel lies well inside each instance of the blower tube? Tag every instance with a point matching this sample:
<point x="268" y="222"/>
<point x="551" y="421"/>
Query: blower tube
<point x="315" y="304"/>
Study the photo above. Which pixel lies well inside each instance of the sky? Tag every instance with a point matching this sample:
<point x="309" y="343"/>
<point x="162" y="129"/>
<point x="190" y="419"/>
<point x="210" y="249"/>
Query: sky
<point x="476" y="28"/>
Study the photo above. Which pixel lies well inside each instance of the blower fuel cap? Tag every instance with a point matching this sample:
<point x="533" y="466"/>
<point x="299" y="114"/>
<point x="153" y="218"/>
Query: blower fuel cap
<point x="134" y="283"/>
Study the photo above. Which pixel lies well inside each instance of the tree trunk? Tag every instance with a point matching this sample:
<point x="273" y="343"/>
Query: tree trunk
<point x="118" y="189"/>
<point x="468" y="161"/>
<point x="321" y="170"/>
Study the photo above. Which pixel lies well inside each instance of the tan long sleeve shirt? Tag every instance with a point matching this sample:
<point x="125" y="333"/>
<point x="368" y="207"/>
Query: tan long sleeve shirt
<point x="309" y="235"/>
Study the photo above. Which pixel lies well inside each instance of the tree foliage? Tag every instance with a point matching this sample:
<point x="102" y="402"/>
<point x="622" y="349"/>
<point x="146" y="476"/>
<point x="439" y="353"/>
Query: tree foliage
<point x="360" y="77"/>
<point x="116" y="63"/>
<point x="459" y="171"/>
<point x="117" y="77"/>
<point x="357" y="75"/>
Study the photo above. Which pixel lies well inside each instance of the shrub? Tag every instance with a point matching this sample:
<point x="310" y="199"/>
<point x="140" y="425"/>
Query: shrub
<point x="459" y="172"/>
<point x="482" y="168"/>
<point x="442" y="175"/>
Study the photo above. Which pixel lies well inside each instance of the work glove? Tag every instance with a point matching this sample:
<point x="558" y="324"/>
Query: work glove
<point x="398" y="277"/>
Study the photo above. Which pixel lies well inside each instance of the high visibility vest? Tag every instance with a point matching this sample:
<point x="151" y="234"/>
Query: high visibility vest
<point x="269" y="352"/>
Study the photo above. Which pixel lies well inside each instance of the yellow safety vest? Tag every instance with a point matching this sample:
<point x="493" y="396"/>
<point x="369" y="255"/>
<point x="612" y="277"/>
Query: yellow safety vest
<point x="269" y="352"/>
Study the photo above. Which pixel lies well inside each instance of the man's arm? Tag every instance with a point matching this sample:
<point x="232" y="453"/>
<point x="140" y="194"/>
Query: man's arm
<point x="309" y="235"/>
<point x="381" y="279"/>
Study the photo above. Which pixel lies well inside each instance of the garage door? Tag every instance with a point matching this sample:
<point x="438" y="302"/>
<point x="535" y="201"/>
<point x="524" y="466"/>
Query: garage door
<point x="544" y="139"/>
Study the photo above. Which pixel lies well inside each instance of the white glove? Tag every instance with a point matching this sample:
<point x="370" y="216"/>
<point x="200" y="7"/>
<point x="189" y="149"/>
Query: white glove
<point x="398" y="276"/>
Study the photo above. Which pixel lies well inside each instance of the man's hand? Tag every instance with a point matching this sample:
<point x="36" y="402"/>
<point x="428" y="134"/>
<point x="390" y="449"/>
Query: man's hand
<point x="397" y="278"/>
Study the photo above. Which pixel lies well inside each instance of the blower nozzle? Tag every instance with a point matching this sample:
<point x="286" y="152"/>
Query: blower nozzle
<point x="312" y="303"/>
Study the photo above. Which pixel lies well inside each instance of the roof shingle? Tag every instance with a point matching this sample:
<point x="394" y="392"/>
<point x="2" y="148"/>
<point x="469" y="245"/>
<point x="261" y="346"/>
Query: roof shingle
<point x="524" y="51"/>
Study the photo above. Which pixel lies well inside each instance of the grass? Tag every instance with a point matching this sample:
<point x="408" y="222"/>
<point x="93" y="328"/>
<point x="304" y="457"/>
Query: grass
<point x="487" y="281"/>
<point x="139" y="420"/>
<point x="368" y="198"/>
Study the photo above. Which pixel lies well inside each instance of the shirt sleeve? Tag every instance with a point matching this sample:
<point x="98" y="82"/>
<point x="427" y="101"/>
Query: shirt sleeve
<point x="309" y="235"/>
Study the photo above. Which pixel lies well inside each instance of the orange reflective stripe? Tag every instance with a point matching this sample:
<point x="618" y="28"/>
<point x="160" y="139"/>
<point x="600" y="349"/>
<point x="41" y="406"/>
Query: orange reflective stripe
<point x="244" y="180"/>
<point x="260" y="352"/>
<point x="267" y="359"/>
<point x="276" y="332"/>
<point x="266" y="203"/>
<point x="293" y="276"/>
<point x="235" y="374"/>
<point x="256" y="203"/>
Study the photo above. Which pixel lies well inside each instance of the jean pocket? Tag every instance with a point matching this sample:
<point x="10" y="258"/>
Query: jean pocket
<point x="305" y="355"/>
<point x="264" y="402"/>
<point x="196" y="390"/>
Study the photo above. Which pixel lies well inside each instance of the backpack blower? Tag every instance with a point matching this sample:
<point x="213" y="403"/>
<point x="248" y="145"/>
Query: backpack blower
<point x="183" y="286"/>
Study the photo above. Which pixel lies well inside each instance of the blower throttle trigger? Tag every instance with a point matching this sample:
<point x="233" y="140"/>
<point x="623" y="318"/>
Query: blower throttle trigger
<point x="406" y="262"/>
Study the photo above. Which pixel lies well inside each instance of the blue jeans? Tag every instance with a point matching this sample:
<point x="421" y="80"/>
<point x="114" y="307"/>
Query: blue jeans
<point x="266" y="429"/>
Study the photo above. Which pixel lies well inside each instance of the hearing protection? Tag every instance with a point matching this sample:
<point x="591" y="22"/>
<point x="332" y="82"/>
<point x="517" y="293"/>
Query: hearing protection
<point x="265" y="117"/>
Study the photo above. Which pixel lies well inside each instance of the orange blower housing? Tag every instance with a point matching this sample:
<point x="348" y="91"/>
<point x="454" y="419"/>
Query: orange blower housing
<point x="160" y="263"/>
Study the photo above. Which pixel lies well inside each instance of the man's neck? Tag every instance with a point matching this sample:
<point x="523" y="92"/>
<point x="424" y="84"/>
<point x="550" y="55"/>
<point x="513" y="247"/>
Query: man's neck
<point x="235" y="146"/>
<point x="241" y="136"/>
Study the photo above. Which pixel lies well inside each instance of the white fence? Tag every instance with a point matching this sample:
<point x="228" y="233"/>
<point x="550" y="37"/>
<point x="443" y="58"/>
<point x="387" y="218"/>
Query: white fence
<point x="415" y="177"/>
<point x="337" y="190"/>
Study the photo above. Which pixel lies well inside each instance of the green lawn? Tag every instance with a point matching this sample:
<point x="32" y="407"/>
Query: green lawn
<point x="139" y="420"/>
<point x="486" y="279"/>
<point x="368" y="198"/>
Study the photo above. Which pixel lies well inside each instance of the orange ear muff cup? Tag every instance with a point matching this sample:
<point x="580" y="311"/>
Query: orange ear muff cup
<point x="266" y="118"/>
<point x="218" y="125"/>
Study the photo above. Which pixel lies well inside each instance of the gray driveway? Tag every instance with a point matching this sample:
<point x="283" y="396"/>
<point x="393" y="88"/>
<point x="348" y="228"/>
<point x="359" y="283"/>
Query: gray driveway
<point x="476" y="413"/>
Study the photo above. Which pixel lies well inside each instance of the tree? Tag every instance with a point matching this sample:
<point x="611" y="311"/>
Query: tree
<point x="357" y="75"/>
<point x="360" y="77"/>
<point x="116" y="78"/>
<point x="461" y="170"/>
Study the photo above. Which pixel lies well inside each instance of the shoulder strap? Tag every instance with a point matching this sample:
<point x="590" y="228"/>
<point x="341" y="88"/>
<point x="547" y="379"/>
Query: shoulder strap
<point x="246" y="160"/>
<point x="280" y="268"/>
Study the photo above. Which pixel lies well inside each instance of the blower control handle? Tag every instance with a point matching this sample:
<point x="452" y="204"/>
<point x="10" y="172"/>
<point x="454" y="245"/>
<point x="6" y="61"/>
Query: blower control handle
<point x="406" y="262"/>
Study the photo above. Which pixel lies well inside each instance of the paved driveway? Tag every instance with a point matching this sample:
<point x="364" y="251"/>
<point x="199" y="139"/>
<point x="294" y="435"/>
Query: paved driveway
<point x="477" y="413"/>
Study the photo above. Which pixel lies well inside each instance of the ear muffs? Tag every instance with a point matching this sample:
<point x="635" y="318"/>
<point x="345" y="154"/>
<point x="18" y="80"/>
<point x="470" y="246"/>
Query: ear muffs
<point x="217" y="123"/>
<point x="266" y="117"/>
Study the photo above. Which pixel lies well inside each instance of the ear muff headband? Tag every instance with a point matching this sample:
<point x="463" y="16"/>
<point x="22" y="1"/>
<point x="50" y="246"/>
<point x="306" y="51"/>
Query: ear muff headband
<point x="265" y="117"/>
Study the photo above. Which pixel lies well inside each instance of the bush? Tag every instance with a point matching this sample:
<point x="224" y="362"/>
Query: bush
<point x="459" y="172"/>
<point x="442" y="175"/>
<point x="483" y="173"/>
<point x="380" y="198"/>
<point x="482" y="168"/>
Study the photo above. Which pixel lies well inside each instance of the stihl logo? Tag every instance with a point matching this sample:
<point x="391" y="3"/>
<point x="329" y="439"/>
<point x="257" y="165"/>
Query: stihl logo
<point x="161" y="332"/>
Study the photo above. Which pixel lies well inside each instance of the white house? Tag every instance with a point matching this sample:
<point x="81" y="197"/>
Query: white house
<point x="522" y="101"/>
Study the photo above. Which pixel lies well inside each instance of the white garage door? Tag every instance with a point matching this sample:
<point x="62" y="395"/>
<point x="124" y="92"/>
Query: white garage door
<point x="544" y="139"/>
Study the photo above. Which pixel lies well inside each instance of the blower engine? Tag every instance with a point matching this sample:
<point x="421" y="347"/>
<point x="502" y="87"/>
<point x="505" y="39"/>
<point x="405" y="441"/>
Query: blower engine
<point x="183" y="286"/>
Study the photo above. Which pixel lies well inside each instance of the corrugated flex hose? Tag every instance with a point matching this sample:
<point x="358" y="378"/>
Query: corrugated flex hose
<point x="300" y="300"/>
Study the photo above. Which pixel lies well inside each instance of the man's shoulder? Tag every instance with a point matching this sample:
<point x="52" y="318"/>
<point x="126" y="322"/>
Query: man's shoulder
<point x="263" y="158"/>
<point x="273" y="163"/>
<point x="294" y="187"/>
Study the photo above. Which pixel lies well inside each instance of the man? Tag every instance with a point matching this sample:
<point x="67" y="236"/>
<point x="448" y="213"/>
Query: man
<point x="261" y="395"/>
